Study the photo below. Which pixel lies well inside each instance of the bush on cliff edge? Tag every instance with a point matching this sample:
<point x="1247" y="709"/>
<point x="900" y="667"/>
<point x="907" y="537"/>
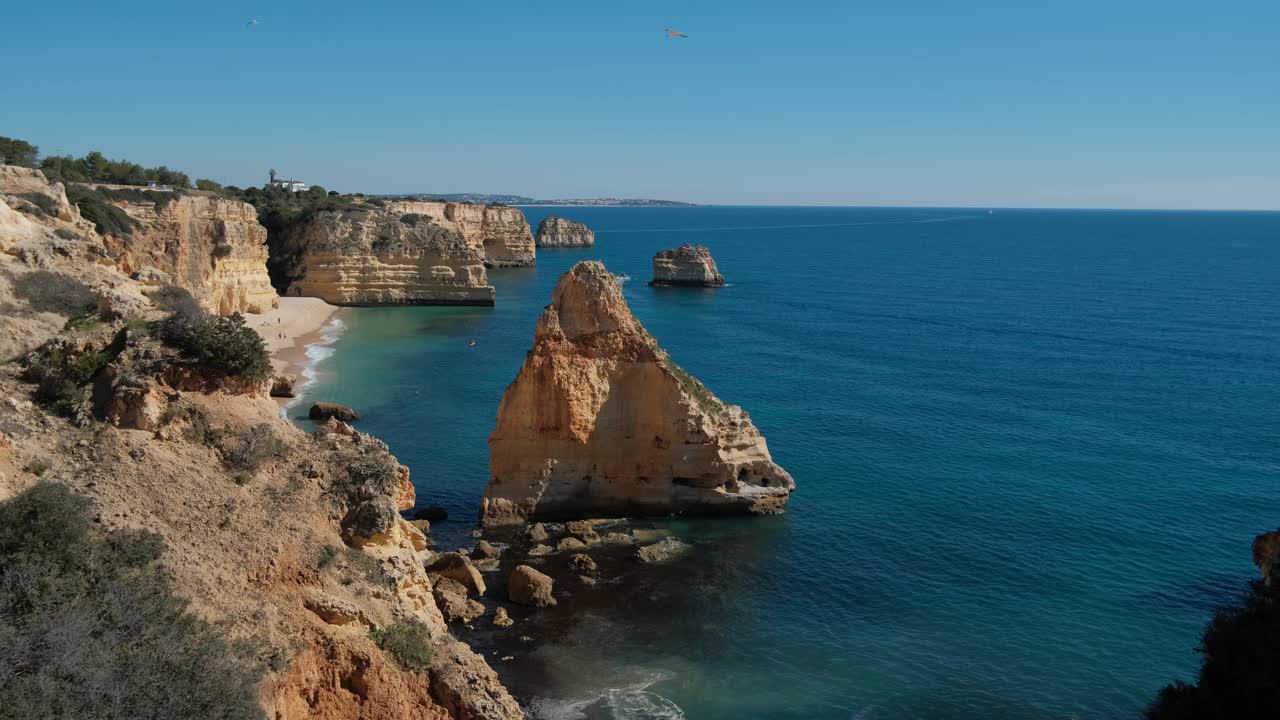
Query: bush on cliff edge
<point x="1240" y="672"/>
<point x="224" y="344"/>
<point x="90" y="627"/>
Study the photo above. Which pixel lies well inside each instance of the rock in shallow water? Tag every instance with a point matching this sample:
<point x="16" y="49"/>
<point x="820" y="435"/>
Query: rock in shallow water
<point x="527" y="586"/>
<point x="663" y="551"/>
<point x="328" y="410"/>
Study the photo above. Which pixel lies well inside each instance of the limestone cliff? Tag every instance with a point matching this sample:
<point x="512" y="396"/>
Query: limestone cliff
<point x="394" y="255"/>
<point x="557" y="232"/>
<point x="600" y="421"/>
<point x="687" y="265"/>
<point x="500" y="233"/>
<point x="211" y="246"/>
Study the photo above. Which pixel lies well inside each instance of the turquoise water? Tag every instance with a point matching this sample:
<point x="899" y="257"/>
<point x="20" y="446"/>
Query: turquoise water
<point x="1031" y="449"/>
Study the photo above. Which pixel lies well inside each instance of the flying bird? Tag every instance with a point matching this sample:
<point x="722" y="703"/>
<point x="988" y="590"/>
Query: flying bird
<point x="251" y="23"/>
<point x="673" y="34"/>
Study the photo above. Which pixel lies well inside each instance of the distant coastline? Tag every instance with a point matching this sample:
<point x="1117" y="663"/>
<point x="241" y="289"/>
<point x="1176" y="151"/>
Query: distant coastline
<point x="524" y="201"/>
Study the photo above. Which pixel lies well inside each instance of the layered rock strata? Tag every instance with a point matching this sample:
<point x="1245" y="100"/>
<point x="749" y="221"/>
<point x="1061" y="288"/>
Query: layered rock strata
<point x="211" y="246"/>
<point x="382" y="256"/>
<point x="687" y="265"/>
<point x="600" y="421"/>
<point x="500" y="233"/>
<point x="557" y="232"/>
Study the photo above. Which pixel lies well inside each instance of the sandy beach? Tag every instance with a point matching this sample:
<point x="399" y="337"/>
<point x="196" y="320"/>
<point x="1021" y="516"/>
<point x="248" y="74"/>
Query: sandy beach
<point x="288" y="330"/>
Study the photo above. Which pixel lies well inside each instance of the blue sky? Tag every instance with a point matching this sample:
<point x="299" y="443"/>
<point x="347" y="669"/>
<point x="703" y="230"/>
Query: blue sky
<point x="1128" y="103"/>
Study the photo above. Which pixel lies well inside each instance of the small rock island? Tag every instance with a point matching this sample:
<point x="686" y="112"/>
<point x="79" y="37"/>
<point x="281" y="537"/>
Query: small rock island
<point x="600" y="422"/>
<point x="686" y="266"/>
<point x="557" y="232"/>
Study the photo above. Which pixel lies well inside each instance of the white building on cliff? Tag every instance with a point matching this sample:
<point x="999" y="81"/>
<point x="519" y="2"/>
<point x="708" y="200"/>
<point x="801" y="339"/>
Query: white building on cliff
<point x="290" y="185"/>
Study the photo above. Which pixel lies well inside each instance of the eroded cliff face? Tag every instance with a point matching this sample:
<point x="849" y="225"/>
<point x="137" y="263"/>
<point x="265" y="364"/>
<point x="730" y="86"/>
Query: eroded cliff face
<point x="287" y="540"/>
<point x="501" y="233"/>
<point x="557" y="232"/>
<point x="211" y="246"/>
<point x="395" y="255"/>
<point x="600" y="421"/>
<point x="687" y="265"/>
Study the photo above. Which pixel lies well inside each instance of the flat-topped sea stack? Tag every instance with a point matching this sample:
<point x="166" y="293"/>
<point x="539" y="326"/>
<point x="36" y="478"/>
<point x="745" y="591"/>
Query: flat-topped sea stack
<point x="686" y="266"/>
<point x="557" y="232"/>
<point x="601" y="422"/>
<point x="382" y="256"/>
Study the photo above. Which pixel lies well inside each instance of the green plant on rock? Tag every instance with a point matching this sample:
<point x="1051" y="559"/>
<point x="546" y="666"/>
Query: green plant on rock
<point x="408" y="642"/>
<point x="90" y="627"/>
<point x="224" y="344"/>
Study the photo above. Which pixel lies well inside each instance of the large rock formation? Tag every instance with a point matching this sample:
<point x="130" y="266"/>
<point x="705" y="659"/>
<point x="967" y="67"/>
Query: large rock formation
<point x="382" y="256"/>
<point x="600" y="421"/>
<point x="687" y="265"/>
<point x="500" y="233"/>
<point x="557" y="232"/>
<point x="211" y="246"/>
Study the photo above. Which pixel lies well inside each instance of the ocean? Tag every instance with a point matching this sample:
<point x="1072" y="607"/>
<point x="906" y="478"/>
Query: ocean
<point x="1031" y="449"/>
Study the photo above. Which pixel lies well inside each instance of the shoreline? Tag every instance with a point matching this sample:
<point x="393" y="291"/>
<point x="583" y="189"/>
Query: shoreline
<point x="292" y="332"/>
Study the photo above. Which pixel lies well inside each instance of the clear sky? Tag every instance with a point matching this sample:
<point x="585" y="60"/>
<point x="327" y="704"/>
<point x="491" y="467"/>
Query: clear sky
<point x="1125" y="103"/>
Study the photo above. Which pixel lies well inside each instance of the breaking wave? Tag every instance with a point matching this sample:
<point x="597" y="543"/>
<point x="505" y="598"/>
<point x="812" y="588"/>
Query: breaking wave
<point x="632" y="702"/>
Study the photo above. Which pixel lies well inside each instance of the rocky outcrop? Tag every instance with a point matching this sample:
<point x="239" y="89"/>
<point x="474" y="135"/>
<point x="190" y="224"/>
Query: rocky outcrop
<point x="1266" y="555"/>
<point x="527" y="586"/>
<point x="557" y="232"/>
<point x="380" y="256"/>
<point x="501" y="234"/>
<point x="211" y="246"/>
<point x="687" y="265"/>
<point x="600" y="421"/>
<point x="21" y="185"/>
<point x="322" y="411"/>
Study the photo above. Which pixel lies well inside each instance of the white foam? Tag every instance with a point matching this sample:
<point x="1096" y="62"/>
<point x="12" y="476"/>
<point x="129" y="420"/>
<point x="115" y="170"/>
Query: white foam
<point x="316" y="353"/>
<point x="633" y="702"/>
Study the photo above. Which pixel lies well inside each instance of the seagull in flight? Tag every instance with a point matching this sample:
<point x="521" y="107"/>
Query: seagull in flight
<point x="673" y="34"/>
<point x="250" y="24"/>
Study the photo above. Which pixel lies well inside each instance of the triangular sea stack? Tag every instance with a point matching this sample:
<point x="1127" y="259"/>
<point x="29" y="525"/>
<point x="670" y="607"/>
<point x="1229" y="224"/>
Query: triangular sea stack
<point x="600" y="422"/>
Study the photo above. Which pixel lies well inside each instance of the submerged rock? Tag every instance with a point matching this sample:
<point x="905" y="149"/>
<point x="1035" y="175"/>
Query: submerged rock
<point x="662" y="551"/>
<point x="527" y="586"/>
<point x="601" y="422"/>
<point x="687" y="265"/>
<point x="582" y="562"/>
<point x="557" y="232"/>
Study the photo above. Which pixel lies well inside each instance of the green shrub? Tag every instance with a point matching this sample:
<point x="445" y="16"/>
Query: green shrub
<point x="47" y="291"/>
<point x="326" y="556"/>
<point x="18" y="152"/>
<point x="408" y="642"/>
<point x="252" y="449"/>
<point x="45" y="205"/>
<point x="107" y="219"/>
<point x="61" y="374"/>
<point x="90" y="627"/>
<point x="370" y="474"/>
<point x="203" y="184"/>
<point x="1240" y="670"/>
<point x="411" y="219"/>
<point x="225" y="344"/>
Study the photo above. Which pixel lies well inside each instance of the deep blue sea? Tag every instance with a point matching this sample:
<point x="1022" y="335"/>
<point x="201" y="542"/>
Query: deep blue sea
<point x="1031" y="448"/>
